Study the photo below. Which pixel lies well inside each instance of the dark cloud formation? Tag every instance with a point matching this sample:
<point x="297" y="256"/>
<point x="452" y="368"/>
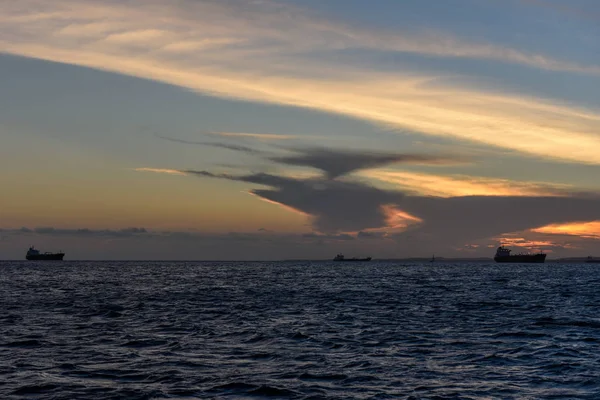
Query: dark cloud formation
<point x="335" y="163"/>
<point x="474" y="217"/>
<point x="333" y="205"/>
<point x="340" y="206"/>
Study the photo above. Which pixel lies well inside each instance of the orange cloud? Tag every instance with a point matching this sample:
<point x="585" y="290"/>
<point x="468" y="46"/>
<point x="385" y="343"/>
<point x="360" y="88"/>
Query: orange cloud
<point x="398" y="219"/>
<point x="525" y="243"/>
<point x="589" y="230"/>
<point x="463" y="185"/>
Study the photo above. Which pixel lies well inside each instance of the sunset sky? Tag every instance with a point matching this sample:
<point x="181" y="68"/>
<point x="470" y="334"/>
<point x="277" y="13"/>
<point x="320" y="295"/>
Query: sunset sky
<point x="265" y="129"/>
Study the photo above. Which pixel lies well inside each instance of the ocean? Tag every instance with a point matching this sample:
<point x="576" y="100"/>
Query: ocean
<point x="300" y="330"/>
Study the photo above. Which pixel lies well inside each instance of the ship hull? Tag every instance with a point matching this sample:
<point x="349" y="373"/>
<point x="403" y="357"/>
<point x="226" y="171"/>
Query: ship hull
<point x="525" y="258"/>
<point x="45" y="257"/>
<point x="354" y="259"/>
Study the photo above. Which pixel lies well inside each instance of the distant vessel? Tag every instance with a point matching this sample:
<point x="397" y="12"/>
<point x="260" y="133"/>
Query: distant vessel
<point x="33" y="254"/>
<point x="340" y="257"/>
<point x="503" y="256"/>
<point x="432" y="258"/>
<point x="590" y="259"/>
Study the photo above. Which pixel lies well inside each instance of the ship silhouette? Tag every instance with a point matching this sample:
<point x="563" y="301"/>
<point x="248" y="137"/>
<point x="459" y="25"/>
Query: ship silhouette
<point x="503" y="256"/>
<point x="340" y="257"/>
<point x="35" y="255"/>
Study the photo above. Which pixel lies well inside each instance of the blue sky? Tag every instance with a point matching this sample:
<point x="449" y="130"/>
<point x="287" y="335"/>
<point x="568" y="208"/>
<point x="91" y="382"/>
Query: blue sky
<point x="106" y="107"/>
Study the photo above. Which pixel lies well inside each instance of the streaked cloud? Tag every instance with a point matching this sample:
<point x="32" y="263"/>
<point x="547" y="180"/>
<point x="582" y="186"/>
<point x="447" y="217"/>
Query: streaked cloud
<point x="525" y="242"/>
<point x="227" y="146"/>
<point x="462" y="185"/>
<point x="160" y="171"/>
<point x="397" y="219"/>
<point x="258" y="136"/>
<point x="262" y="51"/>
<point x="590" y="229"/>
<point x="250" y="23"/>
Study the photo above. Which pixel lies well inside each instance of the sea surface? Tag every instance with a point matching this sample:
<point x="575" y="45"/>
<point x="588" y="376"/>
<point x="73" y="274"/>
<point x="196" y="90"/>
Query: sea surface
<point x="302" y="330"/>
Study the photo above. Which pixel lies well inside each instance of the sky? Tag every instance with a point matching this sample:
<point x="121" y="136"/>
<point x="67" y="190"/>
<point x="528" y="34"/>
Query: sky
<point x="265" y="130"/>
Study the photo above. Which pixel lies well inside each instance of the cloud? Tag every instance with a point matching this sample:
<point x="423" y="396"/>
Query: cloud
<point x="586" y="229"/>
<point x="138" y="244"/>
<point x="323" y="200"/>
<point x="333" y="162"/>
<point x="336" y="163"/>
<point x="160" y="170"/>
<point x="258" y="136"/>
<point x="370" y="235"/>
<point x="247" y="27"/>
<point x="141" y="244"/>
<point x="464" y="185"/>
<point x="463" y="219"/>
<point x="346" y="206"/>
<point x="526" y="243"/>
<point x="125" y="232"/>
<point x="266" y="52"/>
<point x="227" y="146"/>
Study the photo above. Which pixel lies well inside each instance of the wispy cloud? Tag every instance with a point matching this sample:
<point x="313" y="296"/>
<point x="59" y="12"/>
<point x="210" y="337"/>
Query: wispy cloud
<point x="261" y="51"/>
<point x="527" y="243"/>
<point x="258" y="136"/>
<point x="227" y="146"/>
<point x="248" y="27"/>
<point x="586" y="229"/>
<point x="160" y="171"/>
<point x="463" y="185"/>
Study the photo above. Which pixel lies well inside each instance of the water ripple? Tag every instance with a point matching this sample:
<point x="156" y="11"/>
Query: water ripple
<point x="154" y="330"/>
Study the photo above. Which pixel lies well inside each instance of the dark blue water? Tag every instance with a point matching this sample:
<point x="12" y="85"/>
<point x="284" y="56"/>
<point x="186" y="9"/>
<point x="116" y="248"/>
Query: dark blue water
<point x="153" y="330"/>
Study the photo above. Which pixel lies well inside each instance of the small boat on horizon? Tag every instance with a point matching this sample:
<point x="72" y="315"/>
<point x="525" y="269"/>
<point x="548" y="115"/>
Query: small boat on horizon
<point x="340" y="257"/>
<point x="34" y="255"/>
<point x="503" y="256"/>
<point x="591" y="259"/>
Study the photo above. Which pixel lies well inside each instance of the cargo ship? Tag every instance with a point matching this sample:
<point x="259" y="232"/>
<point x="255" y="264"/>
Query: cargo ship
<point x="503" y="256"/>
<point x="591" y="259"/>
<point x="340" y="257"/>
<point x="34" y="254"/>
